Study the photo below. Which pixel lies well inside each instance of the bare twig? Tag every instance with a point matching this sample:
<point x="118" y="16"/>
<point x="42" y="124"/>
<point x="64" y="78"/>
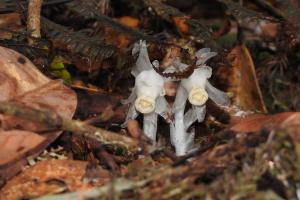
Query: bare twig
<point x="53" y="120"/>
<point x="34" y="18"/>
<point x="119" y="185"/>
<point x="269" y="8"/>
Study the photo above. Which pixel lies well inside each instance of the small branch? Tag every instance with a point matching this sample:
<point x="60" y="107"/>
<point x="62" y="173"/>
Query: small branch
<point x="34" y="18"/>
<point x="269" y="8"/>
<point x="53" y="120"/>
<point x="119" y="185"/>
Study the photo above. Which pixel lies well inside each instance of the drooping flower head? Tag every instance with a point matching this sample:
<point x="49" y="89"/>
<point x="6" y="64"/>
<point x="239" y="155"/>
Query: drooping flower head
<point x="197" y="86"/>
<point x="147" y="96"/>
<point x="197" y="90"/>
<point x="148" y="87"/>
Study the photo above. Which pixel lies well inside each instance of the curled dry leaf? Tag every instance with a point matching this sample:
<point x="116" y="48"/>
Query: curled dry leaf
<point x="257" y="122"/>
<point x="49" y="177"/>
<point x="22" y="82"/>
<point x="242" y="81"/>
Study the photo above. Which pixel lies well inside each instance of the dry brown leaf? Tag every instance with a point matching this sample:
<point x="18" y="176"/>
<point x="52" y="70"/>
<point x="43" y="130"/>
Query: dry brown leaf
<point x="242" y="81"/>
<point x="181" y="23"/>
<point x="129" y="21"/>
<point x="254" y="123"/>
<point x="17" y="75"/>
<point x="48" y="177"/>
<point x="16" y="143"/>
<point x="22" y="82"/>
<point x="51" y="96"/>
<point x="10" y="21"/>
<point x="288" y="121"/>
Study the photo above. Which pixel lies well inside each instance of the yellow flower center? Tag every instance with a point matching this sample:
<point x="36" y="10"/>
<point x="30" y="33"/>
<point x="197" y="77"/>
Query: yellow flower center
<point x="198" y="96"/>
<point x="145" y="104"/>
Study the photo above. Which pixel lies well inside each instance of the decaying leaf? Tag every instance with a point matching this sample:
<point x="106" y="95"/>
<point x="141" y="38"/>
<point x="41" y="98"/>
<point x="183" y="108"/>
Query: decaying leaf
<point x="49" y="177"/>
<point x="10" y="21"/>
<point x="22" y="82"/>
<point x="242" y="81"/>
<point x="51" y="96"/>
<point x="15" y="146"/>
<point x="17" y="74"/>
<point x="17" y="142"/>
<point x="257" y="122"/>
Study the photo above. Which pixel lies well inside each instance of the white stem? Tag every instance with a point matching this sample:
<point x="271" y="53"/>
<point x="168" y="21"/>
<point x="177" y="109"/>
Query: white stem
<point x="180" y="138"/>
<point x="150" y="125"/>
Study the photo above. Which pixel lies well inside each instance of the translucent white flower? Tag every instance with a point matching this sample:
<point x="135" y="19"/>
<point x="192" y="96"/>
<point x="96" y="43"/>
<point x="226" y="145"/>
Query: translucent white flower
<point x="147" y="96"/>
<point x="197" y="90"/>
<point x="195" y="85"/>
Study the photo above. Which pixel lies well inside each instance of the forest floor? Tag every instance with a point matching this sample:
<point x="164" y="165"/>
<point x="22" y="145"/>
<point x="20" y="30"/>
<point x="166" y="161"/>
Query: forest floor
<point x="67" y="65"/>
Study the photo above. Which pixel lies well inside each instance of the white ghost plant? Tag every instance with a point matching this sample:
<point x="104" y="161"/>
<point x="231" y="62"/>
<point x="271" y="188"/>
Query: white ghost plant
<point x="147" y="96"/>
<point x="196" y="89"/>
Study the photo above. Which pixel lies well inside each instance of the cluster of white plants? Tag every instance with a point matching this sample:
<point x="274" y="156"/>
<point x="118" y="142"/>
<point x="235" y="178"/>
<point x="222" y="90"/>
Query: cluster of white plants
<point x="147" y="97"/>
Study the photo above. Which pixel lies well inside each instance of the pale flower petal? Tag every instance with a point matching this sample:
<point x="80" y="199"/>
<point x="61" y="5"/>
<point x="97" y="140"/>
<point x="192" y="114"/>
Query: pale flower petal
<point x="202" y="51"/>
<point x="143" y="62"/>
<point x="196" y="80"/>
<point x="203" y="55"/>
<point x="131" y="98"/>
<point x="189" y="118"/>
<point x="206" y="70"/>
<point x="195" y="113"/>
<point x="200" y="112"/>
<point x="149" y="83"/>
<point x="131" y="114"/>
<point x="217" y="95"/>
<point x="162" y="107"/>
